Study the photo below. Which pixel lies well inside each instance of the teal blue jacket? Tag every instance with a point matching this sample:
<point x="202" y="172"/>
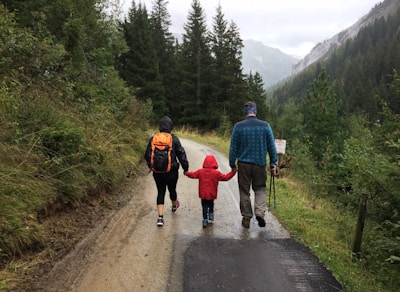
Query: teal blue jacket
<point x="251" y="140"/>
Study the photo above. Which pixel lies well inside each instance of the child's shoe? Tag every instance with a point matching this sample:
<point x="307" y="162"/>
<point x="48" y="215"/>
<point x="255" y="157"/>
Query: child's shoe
<point x="210" y="218"/>
<point x="205" y="223"/>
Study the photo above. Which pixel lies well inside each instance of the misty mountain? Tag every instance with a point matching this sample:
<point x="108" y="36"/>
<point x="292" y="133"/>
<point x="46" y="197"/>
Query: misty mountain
<point x="272" y="64"/>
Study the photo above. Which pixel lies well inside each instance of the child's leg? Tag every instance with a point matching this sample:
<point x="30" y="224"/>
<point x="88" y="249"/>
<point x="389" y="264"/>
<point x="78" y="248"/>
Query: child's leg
<point x="204" y="205"/>
<point x="211" y="206"/>
<point x="211" y="211"/>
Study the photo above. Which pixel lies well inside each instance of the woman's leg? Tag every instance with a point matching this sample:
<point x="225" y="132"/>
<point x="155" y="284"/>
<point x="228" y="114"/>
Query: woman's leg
<point x="161" y="184"/>
<point x="172" y="180"/>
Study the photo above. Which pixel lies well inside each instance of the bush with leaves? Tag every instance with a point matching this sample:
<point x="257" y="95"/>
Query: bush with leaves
<point x="372" y="159"/>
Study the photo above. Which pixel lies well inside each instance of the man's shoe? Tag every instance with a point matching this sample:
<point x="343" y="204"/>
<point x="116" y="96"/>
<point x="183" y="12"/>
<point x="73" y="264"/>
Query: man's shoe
<point x="160" y="221"/>
<point x="246" y="222"/>
<point x="174" y="208"/>
<point x="261" y="221"/>
<point x="205" y="223"/>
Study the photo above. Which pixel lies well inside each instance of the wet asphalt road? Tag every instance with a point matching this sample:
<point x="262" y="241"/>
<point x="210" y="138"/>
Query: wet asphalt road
<point x="213" y="264"/>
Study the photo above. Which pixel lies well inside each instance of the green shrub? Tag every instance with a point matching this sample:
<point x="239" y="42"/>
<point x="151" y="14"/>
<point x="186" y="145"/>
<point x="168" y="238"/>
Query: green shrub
<point x="62" y="142"/>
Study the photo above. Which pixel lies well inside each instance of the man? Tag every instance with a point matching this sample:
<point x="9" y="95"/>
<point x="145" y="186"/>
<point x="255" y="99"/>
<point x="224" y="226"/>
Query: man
<point x="251" y="140"/>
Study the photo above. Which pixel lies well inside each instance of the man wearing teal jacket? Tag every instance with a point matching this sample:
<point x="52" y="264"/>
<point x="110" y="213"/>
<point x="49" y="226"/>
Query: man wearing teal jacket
<point x="250" y="141"/>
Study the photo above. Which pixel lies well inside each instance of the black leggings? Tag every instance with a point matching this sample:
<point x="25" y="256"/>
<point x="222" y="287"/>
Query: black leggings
<point x="164" y="180"/>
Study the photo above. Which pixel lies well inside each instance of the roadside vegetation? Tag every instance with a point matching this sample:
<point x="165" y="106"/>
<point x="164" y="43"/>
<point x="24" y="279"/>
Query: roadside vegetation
<point x="80" y="88"/>
<point x="70" y="130"/>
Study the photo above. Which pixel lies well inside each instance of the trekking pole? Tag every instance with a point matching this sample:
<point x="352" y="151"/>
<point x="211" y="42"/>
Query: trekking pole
<point x="273" y="186"/>
<point x="269" y="196"/>
<point x="270" y="191"/>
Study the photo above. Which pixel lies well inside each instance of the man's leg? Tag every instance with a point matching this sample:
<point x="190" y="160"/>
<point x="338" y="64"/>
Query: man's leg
<point x="260" y="195"/>
<point x="244" y="181"/>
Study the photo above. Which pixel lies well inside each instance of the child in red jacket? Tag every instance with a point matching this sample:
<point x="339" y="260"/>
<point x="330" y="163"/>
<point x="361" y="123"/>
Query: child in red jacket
<point x="209" y="176"/>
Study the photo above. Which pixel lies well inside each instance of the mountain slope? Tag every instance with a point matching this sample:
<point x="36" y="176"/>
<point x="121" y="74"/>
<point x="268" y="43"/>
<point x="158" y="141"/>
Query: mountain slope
<point x="322" y="50"/>
<point x="272" y="64"/>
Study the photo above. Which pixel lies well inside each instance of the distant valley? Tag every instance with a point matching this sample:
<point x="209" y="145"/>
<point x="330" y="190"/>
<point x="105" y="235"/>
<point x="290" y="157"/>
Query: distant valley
<point x="272" y="64"/>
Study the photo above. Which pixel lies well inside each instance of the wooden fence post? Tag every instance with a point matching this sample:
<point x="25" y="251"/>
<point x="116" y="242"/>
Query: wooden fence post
<point x="360" y="226"/>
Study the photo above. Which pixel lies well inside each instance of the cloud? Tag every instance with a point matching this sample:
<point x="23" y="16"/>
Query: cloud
<point x="292" y="26"/>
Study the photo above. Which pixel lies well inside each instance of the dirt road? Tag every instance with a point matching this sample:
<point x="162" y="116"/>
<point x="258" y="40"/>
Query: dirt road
<point x="128" y="252"/>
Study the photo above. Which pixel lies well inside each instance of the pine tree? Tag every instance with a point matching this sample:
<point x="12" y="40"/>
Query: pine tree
<point x="139" y="66"/>
<point x="256" y="92"/>
<point x="321" y="119"/>
<point x="228" y="83"/>
<point x="195" y="68"/>
<point x="163" y="41"/>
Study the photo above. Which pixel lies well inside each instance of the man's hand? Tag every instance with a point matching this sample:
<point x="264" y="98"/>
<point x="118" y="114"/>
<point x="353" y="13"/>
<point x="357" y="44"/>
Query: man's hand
<point x="274" y="171"/>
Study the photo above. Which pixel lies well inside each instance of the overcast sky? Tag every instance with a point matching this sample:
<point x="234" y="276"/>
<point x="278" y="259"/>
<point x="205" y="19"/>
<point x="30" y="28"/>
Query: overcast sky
<point x="293" y="26"/>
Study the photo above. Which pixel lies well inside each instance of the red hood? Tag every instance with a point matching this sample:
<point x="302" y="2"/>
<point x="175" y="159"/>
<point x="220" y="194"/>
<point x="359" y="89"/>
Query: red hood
<point x="210" y="162"/>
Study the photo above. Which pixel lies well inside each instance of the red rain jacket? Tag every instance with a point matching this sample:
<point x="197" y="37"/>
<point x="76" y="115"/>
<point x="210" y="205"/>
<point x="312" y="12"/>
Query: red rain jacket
<point x="209" y="176"/>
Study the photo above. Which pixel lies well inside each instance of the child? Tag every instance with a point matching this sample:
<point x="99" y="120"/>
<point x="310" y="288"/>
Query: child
<point x="209" y="176"/>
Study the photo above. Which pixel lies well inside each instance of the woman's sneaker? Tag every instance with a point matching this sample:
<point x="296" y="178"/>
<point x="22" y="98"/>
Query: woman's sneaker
<point x="174" y="208"/>
<point x="205" y="223"/>
<point x="160" y="221"/>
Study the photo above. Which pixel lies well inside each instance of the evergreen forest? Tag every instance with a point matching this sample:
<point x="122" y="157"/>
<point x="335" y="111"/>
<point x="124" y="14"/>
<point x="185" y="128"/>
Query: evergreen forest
<point x="341" y="116"/>
<point x="81" y="84"/>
